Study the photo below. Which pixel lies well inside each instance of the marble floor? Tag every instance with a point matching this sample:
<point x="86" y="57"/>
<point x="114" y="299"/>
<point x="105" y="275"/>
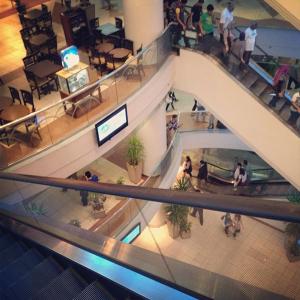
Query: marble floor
<point x="256" y="256"/>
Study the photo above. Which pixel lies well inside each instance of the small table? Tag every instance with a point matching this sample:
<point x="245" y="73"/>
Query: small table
<point x="44" y="68"/>
<point x="108" y="29"/>
<point x="120" y="53"/>
<point x="105" y="47"/>
<point x="33" y="14"/>
<point x="4" y="102"/>
<point x="39" y="39"/>
<point x="14" y="112"/>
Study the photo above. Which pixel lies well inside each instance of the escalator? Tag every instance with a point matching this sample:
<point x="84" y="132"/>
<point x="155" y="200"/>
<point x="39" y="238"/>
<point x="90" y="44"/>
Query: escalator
<point x="240" y="98"/>
<point x="28" y="271"/>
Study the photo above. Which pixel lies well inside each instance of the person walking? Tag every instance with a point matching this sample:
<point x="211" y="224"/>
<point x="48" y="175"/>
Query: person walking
<point x="169" y="101"/>
<point x="196" y="13"/>
<point x="228" y="224"/>
<point x="84" y="195"/>
<point x="241" y="179"/>
<point x="178" y="16"/>
<point x="199" y="211"/>
<point x="226" y="23"/>
<point x="237" y="171"/>
<point x="237" y="224"/>
<point x="187" y="166"/>
<point x="247" y="169"/>
<point x="202" y="175"/>
<point x="279" y="84"/>
<point x="294" y="108"/>
<point x="250" y="38"/>
<point x="172" y="126"/>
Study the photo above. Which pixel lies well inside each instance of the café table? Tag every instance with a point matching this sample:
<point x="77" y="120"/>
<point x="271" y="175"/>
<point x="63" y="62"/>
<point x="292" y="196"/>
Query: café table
<point x="105" y="47"/>
<point x="120" y="53"/>
<point x="38" y="39"/>
<point x="44" y="68"/>
<point x="14" y="112"/>
<point x="108" y="29"/>
<point x="33" y="14"/>
<point x="4" y="102"/>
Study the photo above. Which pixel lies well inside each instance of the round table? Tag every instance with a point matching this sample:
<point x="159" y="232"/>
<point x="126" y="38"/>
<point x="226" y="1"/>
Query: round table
<point x="105" y="47"/>
<point x="4" y="102"/>
<point x="14" y="112"/>
<point x="120" y="53"/>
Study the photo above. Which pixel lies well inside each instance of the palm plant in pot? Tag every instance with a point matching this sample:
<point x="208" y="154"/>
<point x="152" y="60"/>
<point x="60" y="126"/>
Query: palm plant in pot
<point x="135" y="154"/>
<point x="177" y="215"/>
<point x="292" y="233"/>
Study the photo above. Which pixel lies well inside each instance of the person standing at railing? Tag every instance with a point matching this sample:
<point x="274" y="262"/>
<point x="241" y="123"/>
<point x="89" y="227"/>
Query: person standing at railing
<point x="172" y="126"/>
<point x="202" y="175"/>
<point x="250" y="38"/>
<point x="207" y="27"/>
<point x="187" y="166"/>
<point x="241" y="179"/>
<point x="295" y="108"/>
<point x="279" y="84"/>
<point x="226" y="24"/>
<point x="177" y="13"/>
<point x="196" y="13"/>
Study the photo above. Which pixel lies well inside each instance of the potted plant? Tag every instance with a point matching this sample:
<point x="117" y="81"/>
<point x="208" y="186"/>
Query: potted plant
<point x="177" y="215"/>
<point x="292" y="233"/>
<point x="135" y="154"/>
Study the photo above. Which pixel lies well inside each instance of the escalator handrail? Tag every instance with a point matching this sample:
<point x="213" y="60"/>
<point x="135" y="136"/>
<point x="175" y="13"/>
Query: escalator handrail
<point x="270" y="209"/>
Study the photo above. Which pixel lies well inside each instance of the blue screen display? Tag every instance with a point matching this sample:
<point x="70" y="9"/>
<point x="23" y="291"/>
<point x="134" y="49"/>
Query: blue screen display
<point x="132" y="234"/>
<point x="69" y="57"/>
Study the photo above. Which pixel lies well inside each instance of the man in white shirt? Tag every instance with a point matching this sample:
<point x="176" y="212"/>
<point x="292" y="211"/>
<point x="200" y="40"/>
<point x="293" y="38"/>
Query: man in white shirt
<point x="250" y="37"/>
<point x="295" y="108"/>
<point x="225" y="24"/>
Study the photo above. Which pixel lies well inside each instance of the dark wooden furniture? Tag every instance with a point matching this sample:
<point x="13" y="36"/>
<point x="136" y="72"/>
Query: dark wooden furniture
<point x="108" y="29"/>
<point x="105" y="47"/>
<point x="14" y="112"/>
<point x="15" y="95"/>
<point x="39" y="40"/>
<point x="4" y="102"/>
<point x="120" y="53"/>
<point x="33" y="14"/>
<point x="44" y="68"/>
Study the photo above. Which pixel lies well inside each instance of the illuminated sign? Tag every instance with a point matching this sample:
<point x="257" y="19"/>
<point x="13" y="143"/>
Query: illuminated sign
<point x="132" y="234"/>
<point x="111" y="125"/>
<point x="69" y="57"/>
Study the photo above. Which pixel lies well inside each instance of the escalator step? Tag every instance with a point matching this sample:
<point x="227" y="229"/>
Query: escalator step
<point x="5" y="241"/>
<point x="19" y="267"/>
<point x="285" y="113"/>
<point x="94" y="291"/>
<point x="28" y="285"/>
<point x="249" y="79"/>
<point x="64" y="287"/>
<point x="11" y="253"/>
<point x="259" y="87"/>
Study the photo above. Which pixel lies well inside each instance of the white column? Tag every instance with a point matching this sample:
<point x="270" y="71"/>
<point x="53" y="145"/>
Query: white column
<point x="153" y="135"/>
<point x="143" y="20"/>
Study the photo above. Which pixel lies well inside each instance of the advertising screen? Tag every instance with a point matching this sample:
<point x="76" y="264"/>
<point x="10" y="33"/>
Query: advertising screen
<point x="69" y="57"/>
<point x="111" y="125"/>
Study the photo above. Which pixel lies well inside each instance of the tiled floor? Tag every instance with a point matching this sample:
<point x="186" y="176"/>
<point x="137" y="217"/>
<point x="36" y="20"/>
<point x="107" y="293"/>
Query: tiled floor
<point x="256" y="256"/>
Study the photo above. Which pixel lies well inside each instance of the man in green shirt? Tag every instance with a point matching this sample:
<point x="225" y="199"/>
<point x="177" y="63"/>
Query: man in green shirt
<point x="207" y="26"/>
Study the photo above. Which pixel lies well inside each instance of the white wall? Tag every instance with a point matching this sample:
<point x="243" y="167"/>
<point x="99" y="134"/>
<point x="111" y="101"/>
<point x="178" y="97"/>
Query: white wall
<point x="236" y="107"/>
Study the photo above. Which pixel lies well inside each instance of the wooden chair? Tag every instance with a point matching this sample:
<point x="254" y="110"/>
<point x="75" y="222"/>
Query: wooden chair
<point x="111" y="63"/>
<point x="114" y="39"/>
<point x="30" y="60"/>
<point x="127" y="44"/>
<point x="28" y="99"/>
<point x="15" y="96"/>
<point x="44" y="8"/>
<point x="119" y="22"/>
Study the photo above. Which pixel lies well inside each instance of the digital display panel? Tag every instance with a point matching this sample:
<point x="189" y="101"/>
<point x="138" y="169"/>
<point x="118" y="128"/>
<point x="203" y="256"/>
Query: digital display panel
<point x="132" y="234"/>
<point x="111" y="125"/>
<point x="69" y="57"/>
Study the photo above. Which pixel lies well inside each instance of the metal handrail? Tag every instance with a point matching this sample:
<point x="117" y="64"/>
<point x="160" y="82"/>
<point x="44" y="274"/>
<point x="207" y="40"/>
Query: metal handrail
<point x="262" y="208"/>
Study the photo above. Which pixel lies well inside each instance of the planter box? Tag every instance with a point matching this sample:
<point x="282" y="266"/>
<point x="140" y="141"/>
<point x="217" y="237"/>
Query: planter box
<point x="174" y="230"/>
<point x="135" y="172"/>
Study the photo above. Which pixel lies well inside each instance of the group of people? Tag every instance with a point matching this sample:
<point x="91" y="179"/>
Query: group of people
<point x="241" y="174"/>
<point x="232" y="226"/>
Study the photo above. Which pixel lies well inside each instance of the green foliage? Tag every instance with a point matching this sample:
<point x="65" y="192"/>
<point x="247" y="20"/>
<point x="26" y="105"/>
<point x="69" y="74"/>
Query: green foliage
<point x="36" y="209"/>
<point x="120" y="180"/>
<point x="135" y="151"/>
<point x="75" y="222"/>
<point x="178" y="214"/>
<point x="294" y="197"/>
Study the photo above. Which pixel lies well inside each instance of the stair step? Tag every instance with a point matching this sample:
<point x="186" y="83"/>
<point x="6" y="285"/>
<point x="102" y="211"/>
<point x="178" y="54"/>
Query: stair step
<point x="5" y="241"/>
<point x="11" y="253"/>
<point x="285" y="113"/>
<point x="242" y="74"/>
<point x="94" y="291"/>
<point x="18" y="268"/>
<point x="249" y="79"/>
<point x="64" y="287"/>
<point x="259" y="87"/>
<point x="27" y="286"/>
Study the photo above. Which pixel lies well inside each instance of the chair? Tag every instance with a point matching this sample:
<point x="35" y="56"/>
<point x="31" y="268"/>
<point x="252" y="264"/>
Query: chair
<point x="127" y="44"/>
<point x="114" y="39"/>
<point x="30" y="60"/>
<point x="25" y="33"/>
<point x="94" y="23"/>
<point x="111" y="63"/>
<point x="15" y="96"/>
<point x="95" y="58"/>
<point x="51" y="47"/>
<point x="28" y="99"/>
<point x="41" y="85"/>
<point x="47" y="20"/>
<point x="118" y="23"/>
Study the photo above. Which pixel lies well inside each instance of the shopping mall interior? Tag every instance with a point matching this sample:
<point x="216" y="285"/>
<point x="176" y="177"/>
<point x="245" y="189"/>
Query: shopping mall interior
<point x="143" y="158"/>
